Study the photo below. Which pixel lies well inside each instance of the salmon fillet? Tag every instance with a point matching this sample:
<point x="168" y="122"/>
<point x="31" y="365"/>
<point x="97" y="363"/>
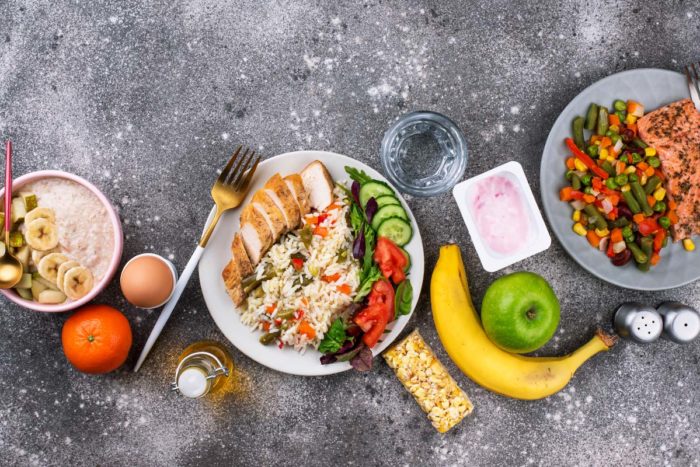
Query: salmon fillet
<point x="674" y="131"/>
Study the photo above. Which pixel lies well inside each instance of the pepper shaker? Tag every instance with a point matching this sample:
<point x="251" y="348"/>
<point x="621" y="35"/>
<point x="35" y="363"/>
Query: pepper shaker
<point x="640" y="323"/>
<point x="681" y="322"/>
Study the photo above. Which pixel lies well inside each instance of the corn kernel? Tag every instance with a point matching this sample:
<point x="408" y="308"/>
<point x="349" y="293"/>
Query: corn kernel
<point x="625" y="187"/>
<point x="602" y="232"/>
<point x="576" y="216"/>
<point x="630" y="170"/>
<point x="611" y="157"/>
<point x="630" y="119"/>
<point x="688" y="244"/>
<point x="649" y="151"/>
<point x="603" y="154"/>
<point x="614" y="128"/>
<point x="659" y="194"/>
<point x="580" y="166"/>
<point x="643" y="179"/>
<point x="580" y="229"/>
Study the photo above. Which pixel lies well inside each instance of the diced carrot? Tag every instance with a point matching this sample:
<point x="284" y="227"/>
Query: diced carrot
<point x="642" y="166"/>
<point x="649" y="172"/>
<point x="659" y="237"/>
<point x="304" y="301"/>
<point x="570" y="164"/>
<point x="614" y="199"/>
<point x="331" y="278"/>
<point x="333" y="206"/>
<point x="344" y="288"/>
<point x="655" y="258"/>
<point x="638" y="218"/>
<point x="311" y="220"/>
<point x="651" y="200"/>
<point x="593" y="238"/>
<point x="612" y="215"/>
<point x="632" y="127"/>
<point x="605" y="142"/>
<point x="271" y="309"/>
<point x="565" y="193"/>
<point x="620" y="167"/>
<point x="588" y="198"/>
<point x="597" y="183"/>
<point x="614" y="119"/>
<point x="595" y="138"/>
<point x="616" y="235"/>
<point x="673" y="217"/>
<point x="635" y="108"/>
<point x="672" y="204"/>
<point x="321" y="232"/>
<point x="306" y="329"/>
<point x="660" y="174"/>
<point x="266" y="326"/>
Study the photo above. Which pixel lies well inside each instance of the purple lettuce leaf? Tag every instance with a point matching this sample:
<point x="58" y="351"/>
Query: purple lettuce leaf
<point x="363" y="360"/>
<point x="371" y="209"/>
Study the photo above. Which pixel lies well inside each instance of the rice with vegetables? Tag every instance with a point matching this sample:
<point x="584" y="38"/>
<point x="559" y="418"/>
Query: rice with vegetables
<point x="308" y="279"/>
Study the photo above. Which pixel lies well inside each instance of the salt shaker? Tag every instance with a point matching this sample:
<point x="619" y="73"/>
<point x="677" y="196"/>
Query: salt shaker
<point x="637" y="322"/>
<point x="681" y="322"/>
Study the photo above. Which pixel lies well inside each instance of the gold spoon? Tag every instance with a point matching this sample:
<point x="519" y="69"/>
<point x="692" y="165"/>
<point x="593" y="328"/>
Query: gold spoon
<point x="10" y="267"/>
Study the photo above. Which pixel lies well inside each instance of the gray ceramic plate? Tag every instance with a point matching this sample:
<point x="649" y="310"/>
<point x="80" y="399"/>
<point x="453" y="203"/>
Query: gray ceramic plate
<point x="653" y="88"/>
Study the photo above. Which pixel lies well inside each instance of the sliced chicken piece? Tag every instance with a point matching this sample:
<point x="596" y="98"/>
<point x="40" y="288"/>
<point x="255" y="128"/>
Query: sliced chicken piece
<point x="296" y="186"/>
<point x="271" y="213"/>
<point x="238" y="268"/>
<point x="318" y="184"/>
<point x="255" y="233"/>
<point x="278" y="191"/>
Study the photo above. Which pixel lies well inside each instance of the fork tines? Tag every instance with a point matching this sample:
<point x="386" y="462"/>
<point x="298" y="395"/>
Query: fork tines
<point x="692" y="73"/>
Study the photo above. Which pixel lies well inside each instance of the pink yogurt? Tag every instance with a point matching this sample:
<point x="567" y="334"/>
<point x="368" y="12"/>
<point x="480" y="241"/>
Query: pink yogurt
<point x="500" y="214"/>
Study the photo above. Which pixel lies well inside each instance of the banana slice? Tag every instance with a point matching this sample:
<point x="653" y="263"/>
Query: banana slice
<point x="48" y="266"/>
<point x="62" y="270"/>
<point x="42" y="234"/>
<point x="38" y="254"/>
<point x="40" y="213"/>
<point x="51" y="297"/>
<point x="77" y="282"/>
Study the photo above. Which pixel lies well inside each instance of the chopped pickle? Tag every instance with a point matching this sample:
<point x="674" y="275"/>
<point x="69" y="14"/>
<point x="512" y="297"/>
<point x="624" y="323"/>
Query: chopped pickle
<point x="342" y="255"/>
<point x="313" y="270"/>
<point x="2" y="249"/>
<point x="16" y="239"/>
<point x="24" y="293"/>
<point x="29" y="200"/>
<point x="18" y="210"/>
<point x="25" y="282"/>
<point x="269" y="338"/>
<point x="306" y="235"/>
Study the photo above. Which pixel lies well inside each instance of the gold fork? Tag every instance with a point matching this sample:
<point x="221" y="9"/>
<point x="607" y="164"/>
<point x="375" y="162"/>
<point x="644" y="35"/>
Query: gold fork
<point x="228" y="192"/>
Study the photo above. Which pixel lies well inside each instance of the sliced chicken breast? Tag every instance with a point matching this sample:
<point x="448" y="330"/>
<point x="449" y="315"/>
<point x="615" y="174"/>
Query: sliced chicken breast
<point x="255" y="233"/>
<point x="238" y="268"/>
<point x="271" y="213"/>
<point x="318" y="184"/>
<point x="296" y="186"/>
<point x="278" y="191"/>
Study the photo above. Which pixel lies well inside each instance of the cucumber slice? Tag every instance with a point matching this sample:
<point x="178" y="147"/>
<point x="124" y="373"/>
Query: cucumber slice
<point x="408" y="259"/>
<point x="397" y="230"/>
<point x="390" y="210"/>
<point x="374" y="189"/>
<point x="384" y="200"/>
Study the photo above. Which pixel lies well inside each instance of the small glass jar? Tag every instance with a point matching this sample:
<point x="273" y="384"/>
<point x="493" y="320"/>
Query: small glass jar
<point x="424" y="153"/>
<point x="202" y="369"/>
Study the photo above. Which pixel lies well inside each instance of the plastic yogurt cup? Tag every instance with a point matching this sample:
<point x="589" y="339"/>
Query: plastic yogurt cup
<point x="502" y="217"/>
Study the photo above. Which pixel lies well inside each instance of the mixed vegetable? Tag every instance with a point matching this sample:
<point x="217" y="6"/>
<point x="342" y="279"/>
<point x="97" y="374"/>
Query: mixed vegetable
<point x="381" y="228"/>
<point x="615" y="186"/>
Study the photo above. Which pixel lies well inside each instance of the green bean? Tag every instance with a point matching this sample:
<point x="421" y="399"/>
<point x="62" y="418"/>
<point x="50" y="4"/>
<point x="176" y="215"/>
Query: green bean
<point x="607" y="166"/>
<point x="636" y="158"/>
<point x="631" y="202"/>
<point x="652" y="183"/>
<point x="269" y="337"/>
<point x="627" y="233"/>
<point x="595" y="217"/>
<point x="602" y="124"/>
<point x="588" y="190"/>
<point x="591" y="116"/>
<point x="639" y="256"/>
<point x="641" y="198"/>
<point x="592" y="150"/>
<point x="621" y="222"/>
<point x="286" y="314"/>
<point x="577" y="129"/>
<point x="611" y="183"/>
<point x="305" y="235"/>
<point x="640" y="143"/>
<point x="621" y="179"/>
<point x="569" y="174"/>
<point x="575" y="182"/>
<point x="621" y="115"/>
<point x="646" y="247"/>
<point x="587" y="179"/>
<point x="619" y="105"/>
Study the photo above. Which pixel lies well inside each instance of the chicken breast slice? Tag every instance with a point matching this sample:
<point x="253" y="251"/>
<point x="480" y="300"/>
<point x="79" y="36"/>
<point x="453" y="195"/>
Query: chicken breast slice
<point x="255" y="233"/>
<point x="296" y="186"/>
<point x="238" y="268"/>
<point x="318" y="184"/>
<point x="278" y="191"/>
<point x="271" y="213"/>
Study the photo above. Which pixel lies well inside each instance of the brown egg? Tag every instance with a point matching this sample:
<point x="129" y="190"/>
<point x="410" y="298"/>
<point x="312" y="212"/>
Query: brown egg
<point x="147" y="281"/>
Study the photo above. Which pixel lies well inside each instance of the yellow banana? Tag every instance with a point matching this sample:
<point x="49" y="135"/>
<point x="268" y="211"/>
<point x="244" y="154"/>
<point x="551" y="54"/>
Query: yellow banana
<point x="465" y="341"/>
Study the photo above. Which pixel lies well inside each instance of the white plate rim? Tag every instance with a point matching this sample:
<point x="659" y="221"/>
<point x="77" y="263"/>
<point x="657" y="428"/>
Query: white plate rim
<point x="415" y="248"/>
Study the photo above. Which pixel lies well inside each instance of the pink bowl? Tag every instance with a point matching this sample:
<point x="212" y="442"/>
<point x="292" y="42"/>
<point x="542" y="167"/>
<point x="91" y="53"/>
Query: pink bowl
<point x="116" y="255"/>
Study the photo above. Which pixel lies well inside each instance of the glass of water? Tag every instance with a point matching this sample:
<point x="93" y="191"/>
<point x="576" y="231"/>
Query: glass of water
<point x="424" y="153"/>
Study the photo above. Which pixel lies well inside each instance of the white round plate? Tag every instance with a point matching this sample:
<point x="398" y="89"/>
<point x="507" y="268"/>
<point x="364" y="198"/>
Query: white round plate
<point x="653" y="89"/>
<point x="218" y="254"/>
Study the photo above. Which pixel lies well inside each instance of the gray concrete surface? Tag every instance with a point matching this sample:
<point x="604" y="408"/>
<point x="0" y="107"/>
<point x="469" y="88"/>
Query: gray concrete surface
<point x="147" y="99"/>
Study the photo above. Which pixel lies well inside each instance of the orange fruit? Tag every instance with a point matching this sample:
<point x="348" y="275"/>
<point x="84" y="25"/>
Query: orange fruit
<point x="96" y="339"/>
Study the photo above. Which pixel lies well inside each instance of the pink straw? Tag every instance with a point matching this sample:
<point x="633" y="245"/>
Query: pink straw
<point x="8" y="183"/>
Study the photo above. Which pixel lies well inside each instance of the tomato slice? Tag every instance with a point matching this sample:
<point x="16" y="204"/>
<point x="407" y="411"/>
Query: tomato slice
<point x="383" y="294"/>
<point x="369" y="317"/>
<point x="391" y="260"/>
<point x="378" y="313"/>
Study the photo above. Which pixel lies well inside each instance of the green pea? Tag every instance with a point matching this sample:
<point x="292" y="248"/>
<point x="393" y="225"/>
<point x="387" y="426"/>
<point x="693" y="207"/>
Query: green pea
<point x="621" y="179"/>
<point x="654" y="162"/>
<point x="586" y="179"/>
<point x="660" y="206"/>
<point x="592" y="150"/>
<point x="664" y="222"/>
<point x="610" y="183"/>
<point x="621" y="115"/>
<point x="636" y="158"/>
<point x="633" y="178"/>
<point x="619" y="105"/>
<point x="615" y="138"/>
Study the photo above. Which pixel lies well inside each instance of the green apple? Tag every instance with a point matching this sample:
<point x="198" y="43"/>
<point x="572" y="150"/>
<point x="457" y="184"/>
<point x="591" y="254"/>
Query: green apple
<point x="520" y="312"/>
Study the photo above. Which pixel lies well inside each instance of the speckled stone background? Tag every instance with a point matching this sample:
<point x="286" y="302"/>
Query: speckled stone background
<point x="148" y="99"/>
